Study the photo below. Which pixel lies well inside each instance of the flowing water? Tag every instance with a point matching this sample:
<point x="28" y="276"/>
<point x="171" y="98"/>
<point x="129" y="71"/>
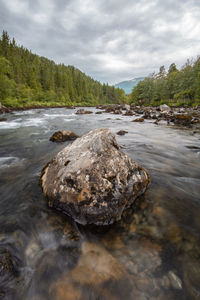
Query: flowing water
<point x="152" y="253"/>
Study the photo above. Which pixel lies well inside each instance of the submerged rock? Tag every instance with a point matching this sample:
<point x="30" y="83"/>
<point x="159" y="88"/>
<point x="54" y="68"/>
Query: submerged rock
<point x="62" y="136"/>
<point x="92" y="180"/>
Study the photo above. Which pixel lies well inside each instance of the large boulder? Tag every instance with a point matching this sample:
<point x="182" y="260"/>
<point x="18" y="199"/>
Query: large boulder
<point x="92" y="180"/>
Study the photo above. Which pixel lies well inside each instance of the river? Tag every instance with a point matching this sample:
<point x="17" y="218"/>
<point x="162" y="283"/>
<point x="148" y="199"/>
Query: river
<point x="152" y="253"/>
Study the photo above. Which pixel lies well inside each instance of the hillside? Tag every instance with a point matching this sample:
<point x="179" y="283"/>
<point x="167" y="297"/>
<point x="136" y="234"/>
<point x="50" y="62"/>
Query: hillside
<point x="174" y="87"/>
<point x="128" y="85"/>
<point x="27" y="79"/>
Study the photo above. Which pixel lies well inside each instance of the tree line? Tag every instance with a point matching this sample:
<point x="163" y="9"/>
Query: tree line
<point x="174" y="87"/>
<point x="27" y="79"/>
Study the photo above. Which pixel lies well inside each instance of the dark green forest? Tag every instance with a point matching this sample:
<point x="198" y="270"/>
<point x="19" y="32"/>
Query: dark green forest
<point x="27" y="79"/>
<point x="174" y="87"/>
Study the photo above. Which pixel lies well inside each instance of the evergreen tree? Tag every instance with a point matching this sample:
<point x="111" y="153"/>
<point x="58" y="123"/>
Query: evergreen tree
<point x="34" y="80"/>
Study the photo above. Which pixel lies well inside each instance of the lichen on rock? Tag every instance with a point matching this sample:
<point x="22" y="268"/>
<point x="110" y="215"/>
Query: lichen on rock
<point x="92" y="180"/>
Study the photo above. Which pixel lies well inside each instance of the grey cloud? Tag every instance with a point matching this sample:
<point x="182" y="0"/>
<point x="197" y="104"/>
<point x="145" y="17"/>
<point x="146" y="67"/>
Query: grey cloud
<point x="110" y="40"/>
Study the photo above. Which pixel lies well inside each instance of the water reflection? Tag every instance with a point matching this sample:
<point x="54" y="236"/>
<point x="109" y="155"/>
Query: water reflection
<point x="152" y="253"/>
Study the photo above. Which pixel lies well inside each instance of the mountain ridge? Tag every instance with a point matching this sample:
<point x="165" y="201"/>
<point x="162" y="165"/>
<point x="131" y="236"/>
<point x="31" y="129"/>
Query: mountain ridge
<point x="128" y="85"/>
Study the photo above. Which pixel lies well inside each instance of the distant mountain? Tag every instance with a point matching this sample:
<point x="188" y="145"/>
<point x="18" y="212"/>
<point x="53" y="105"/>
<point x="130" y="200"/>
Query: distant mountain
<point x="128" y="85"/>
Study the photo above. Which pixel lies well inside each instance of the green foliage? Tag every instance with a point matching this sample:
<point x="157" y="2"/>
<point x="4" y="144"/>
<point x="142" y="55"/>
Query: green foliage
<point x="176" y="87"/>
<point x="28" y="80"/>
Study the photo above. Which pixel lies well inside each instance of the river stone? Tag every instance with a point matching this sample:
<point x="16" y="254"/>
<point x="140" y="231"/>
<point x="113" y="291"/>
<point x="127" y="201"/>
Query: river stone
<point x="92" y="180"/>
<point x="165" y="108"/>
<point x="62" y="136"/>
<point x="83" y="112"/>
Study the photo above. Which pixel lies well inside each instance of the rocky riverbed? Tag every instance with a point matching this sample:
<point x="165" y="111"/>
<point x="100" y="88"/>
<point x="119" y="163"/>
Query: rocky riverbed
<point x="153" y="252"/>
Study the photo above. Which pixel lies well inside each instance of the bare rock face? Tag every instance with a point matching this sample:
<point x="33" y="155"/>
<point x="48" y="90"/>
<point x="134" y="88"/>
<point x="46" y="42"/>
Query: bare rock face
<point x="62" y="136"/>
<point x="92" y="180"/>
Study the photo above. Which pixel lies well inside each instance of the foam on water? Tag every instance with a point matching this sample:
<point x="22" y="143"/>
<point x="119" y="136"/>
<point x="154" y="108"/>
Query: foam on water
<point x="68" y="120"/>
<point x="58" y="115"/>
<point x="10" y="125"/>
<point x="33" y="122"/>
<point x="24" y="112"/>
<point x="18" y="123"/>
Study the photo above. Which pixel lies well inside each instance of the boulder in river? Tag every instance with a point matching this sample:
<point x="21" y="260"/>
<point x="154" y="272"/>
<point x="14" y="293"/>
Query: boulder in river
<point x="138" y="120"/>
<point x="129" y="113"/>
<point x="62" y="136"/>
<point x="3" y="119"/>
<point x="122" y="132"/>
<point x="82" y="111"/>
<point x="165" y="108"/>
<point x="185" y="120"/>
<point x="92" y="180"/>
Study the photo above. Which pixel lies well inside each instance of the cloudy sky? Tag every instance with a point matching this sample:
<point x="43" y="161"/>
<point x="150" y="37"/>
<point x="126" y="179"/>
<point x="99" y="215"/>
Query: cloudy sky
<point x="110" y="40"/>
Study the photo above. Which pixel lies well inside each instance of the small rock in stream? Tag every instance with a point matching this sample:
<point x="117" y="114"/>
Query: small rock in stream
<point x="82" y="111"/>
<point x="122" y="132"/>
<point x="3" y="119"/>
<point x="138" y="120"/>
<point x="62" y="136"/>
<point x="165" y="108"/>
<point x="92" y="180"/>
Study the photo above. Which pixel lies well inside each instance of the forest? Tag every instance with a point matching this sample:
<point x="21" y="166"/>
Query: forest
<point x="27" y="79"/>
<point x="174" y="87"/>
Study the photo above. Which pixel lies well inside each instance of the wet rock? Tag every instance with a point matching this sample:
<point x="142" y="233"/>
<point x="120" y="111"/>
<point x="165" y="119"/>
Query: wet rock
<point x="184" y="120"/>
<point x="154" y="117"/>
<point x="193" y="147"/>
<point x="191" y="272"/>
<point x="139" y="112"/>
<point x="98" y="112"/>
<point x="111" y="108"/>
<point x="138" y="120"/>
<point x="147" y="115"/>
<point x="3" y="119"/>
<point x="98" y="270"/>
<point x="165" y="108"/>
<point x="117" y="112"/>
<point x="83" y="112"/>
<point x="175" y="280"/>
<point x="100" y="107"/>
<point x="182" y="110"/>
<point x="129" y="113"/>
<point x="4" y="109"/>
<point x="62" y="136"/>
<point x="126" y="107"/>
<point x="96" y="265"/>
<point x="92" y="180"/>
<point x="122" y="132"/>
<point x="8" y="264"/>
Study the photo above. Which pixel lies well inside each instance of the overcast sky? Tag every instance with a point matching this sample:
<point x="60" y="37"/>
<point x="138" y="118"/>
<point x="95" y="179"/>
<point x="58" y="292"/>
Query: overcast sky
<point x="110" y="40"/>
